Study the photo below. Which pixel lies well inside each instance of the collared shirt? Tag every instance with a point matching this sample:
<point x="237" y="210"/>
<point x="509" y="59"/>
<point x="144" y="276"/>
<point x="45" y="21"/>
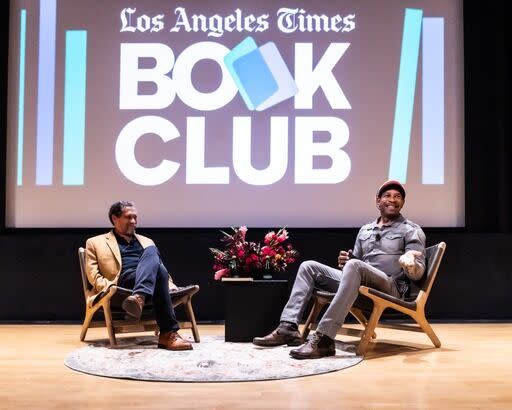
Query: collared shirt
<point x="381" y="247"/>
<point x="130" y="253"/>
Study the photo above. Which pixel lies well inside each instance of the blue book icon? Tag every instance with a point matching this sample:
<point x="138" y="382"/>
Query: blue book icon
<point x="260" y="74"/>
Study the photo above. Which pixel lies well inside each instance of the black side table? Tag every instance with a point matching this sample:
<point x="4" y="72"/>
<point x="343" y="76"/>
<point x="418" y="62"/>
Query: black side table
<point x="252" y="308"/>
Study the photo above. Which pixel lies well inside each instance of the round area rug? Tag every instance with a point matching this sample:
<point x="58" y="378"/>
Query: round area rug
<point x="212" y="360"/>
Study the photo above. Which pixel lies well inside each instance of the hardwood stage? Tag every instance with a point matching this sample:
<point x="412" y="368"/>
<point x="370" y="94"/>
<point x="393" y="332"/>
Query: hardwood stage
<point x="472" y="369"/>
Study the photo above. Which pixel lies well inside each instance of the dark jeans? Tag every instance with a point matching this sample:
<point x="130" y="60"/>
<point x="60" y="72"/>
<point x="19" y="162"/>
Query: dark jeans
<point x="151" y="279"/>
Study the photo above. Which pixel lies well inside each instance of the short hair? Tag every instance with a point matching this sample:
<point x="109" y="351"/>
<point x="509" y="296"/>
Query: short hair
<point x="117" y="209"/>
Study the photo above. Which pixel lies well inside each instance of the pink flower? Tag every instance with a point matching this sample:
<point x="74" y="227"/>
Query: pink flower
<point x="269" y="237"/>
<point x="283" y="236"/>
<point x="243" y="231"/>
<point x="221" y="273"/>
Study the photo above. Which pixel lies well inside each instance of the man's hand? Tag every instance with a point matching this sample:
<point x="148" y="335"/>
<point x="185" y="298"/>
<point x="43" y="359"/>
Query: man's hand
<point x="343" y="257"/>
<point x="408" y="260"/>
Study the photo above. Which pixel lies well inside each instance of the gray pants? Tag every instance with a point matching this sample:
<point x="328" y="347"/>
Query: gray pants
<point x="345" y="283"/>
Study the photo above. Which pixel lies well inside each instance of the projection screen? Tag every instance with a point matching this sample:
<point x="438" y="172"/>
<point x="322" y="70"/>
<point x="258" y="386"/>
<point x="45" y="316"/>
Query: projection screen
<point x="213" y="114"/>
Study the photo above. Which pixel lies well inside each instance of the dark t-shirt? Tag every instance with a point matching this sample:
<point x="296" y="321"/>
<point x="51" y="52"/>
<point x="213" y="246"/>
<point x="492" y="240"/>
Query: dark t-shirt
<point x="130" y="254"/>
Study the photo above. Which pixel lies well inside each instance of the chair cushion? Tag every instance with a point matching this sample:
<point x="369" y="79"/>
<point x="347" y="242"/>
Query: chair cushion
<point x="406" y="304"/>
<point x="184" y="290"/>
<point x="365" y="304"/>
<point x="123" y="293"/>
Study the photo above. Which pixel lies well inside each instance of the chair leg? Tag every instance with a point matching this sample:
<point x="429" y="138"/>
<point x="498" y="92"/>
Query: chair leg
<point x="369" y="330"/>
<point x="87" y="321"/>
<point x="110" y="326"/>
<point x="358" y="314"/>
<point x="361" y="318"/>
<point x="313" y="315"/>
<point x="192" y="318"/>
<point x="422" y="321"/>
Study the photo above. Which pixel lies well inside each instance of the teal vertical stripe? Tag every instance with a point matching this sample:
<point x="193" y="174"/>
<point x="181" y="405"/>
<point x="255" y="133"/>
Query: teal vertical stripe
<point x="74" y="107"/>
<point x="432" y="92"/>
<point x="405" y="95"/>
<point x="21" y="95"/>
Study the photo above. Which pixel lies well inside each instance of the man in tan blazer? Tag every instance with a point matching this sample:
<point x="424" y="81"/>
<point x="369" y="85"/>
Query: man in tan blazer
<point x="122" y="257"/>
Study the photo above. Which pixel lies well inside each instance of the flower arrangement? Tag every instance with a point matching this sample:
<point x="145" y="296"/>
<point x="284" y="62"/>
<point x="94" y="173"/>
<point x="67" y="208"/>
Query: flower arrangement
<point x="249" y="259"/>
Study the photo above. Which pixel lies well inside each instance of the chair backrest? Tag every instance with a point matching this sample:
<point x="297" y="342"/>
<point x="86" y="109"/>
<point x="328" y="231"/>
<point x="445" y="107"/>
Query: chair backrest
<point x="434" y="254"/>
<point x="85" y="282"/>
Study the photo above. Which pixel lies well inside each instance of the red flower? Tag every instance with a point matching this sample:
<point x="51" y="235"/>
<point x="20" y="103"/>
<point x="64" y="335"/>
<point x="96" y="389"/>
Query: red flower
<point x="266" y="250"/>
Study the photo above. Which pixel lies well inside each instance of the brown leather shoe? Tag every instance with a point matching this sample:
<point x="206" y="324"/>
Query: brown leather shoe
<point x="284" y="334"/>
<point x="173" y="341"/>
<point x="133" y="305"/>
<point x="318" y="346"/>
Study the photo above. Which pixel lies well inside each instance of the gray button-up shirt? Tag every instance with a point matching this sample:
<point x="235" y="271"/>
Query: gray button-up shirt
<point x="381" y="247"/>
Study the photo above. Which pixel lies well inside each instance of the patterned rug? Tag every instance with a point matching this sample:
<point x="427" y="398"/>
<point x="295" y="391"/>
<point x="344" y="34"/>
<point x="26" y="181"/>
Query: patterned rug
<point x="212" y="360"/>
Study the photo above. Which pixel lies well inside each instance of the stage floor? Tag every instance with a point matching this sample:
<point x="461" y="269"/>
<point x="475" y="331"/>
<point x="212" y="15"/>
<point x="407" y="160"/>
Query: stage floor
<point x="472" y="369"/>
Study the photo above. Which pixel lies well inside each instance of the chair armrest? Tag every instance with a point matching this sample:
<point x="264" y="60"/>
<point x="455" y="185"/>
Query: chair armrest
<point x="105" y="293"/>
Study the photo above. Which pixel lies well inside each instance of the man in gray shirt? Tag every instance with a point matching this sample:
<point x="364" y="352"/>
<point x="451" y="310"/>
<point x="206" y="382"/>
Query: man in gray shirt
<point x="387" y="255"/>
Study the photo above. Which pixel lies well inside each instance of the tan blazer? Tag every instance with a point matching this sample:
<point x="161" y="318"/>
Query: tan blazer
<point x="103" y="260"/>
